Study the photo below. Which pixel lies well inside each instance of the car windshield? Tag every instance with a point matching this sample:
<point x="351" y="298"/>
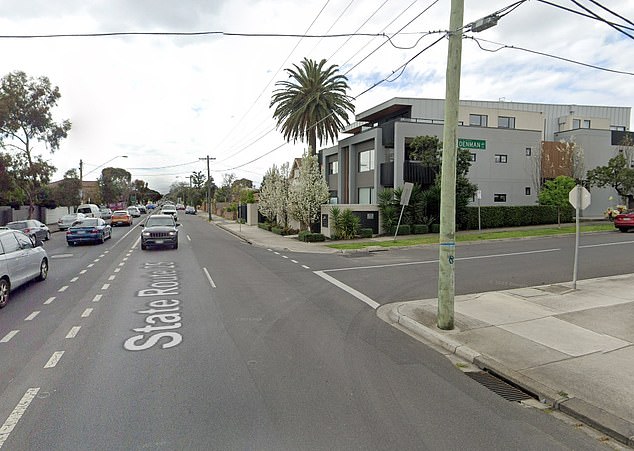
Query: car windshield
<point x="91" y="222"/>
<point x="119" y="212"/>
<point x="159" y="222"/>
<point x="17" y="225"/>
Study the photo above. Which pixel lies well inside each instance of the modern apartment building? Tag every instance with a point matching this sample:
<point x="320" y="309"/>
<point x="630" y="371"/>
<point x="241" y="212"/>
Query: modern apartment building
<point x="506" y="141"/>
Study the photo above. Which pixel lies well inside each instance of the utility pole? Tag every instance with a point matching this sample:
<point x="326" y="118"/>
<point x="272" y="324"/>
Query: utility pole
<point x="81" y="181"/>
<point x="446" y="269"/>
<point x="208" y="186"/>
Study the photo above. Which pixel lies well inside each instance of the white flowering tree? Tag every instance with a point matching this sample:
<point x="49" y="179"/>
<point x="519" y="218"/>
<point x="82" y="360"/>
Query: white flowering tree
<point x="274" y="195"/>
<point x="307" y="192"/>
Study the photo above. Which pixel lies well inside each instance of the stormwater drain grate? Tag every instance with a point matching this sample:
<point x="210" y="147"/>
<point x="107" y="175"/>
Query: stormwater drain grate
<point x="497" y="385"/>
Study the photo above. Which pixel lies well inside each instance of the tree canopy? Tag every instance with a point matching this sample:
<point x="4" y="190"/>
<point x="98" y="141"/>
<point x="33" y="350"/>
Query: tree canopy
<point x="312" y="105"/>
<point x="307" y="192"/>
<point x="617" y="174"/>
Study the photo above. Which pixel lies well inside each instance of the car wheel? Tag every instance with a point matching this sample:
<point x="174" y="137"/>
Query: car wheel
<point x="4" y="292"/>
<point x="143" y="246"/>
<point x="103" y="238"/>
<point x="48" y="236"/>
<point x="43" y="270"/>
<point x="623" y="229"/>
<point x="176" y="245"/>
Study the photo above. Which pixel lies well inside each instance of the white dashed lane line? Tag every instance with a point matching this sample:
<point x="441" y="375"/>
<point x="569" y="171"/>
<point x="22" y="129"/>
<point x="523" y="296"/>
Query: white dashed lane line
<point x="32" y="316"/>
<point x="49" y="300"/>
<point x="74" y="279"/>
<point x="9" y="336"/>
<point x="105" y="286"/>
<point x="17" y="413"/>
<point x="86" y="313"/>
<point x="111" y="277"/>
<point x="83" y="271"/>
<point x="54" y="360"/>
<point x="97" y="298"/>
<point x="72" y="333"/>
<point x="64" y="288"/>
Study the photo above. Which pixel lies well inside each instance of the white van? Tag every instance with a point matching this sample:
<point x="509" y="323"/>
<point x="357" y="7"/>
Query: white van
<point x="90" y="210"/>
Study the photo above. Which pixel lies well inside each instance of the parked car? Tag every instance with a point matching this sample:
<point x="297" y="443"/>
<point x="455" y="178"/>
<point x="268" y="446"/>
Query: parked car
<point x="120" y="217"/>
<point x="88" y="230"/>
<point x="21" y="260"/>
<point x="90" y="210"/>
<point x="170" y="210"/>
<point x="180" y="206"/>
<point x="189" y="210"/>
<point x="150" y="206"/>
<point x="66" y="221"/>
<point x="106" y="213"/>
<point x="142" y="209"/>
<point x="32" y="228"/>
<point x="134" y="212"/>
<point x="624" y="221"/>
<point x="159" y="230"/>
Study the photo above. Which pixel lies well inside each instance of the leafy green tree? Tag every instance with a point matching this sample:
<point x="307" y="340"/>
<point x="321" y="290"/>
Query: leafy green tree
<point x="66" y="193"/>
<point x="114" y="185"/>
<point x="7" y="180"/>
<point x="307" y="193"/>
<point x="25" y="119"/>
<point x="313" y="104"/>
<point x="616" y="174"/>
<point x="555" y="192"/>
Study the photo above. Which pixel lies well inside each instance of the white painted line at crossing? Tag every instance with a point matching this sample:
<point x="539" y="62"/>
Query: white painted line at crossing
<point x="32" y="316"/>
<point x="284" y="256"/>
<point x="111" y="277"/>
<point x="74" y="279"/>
<point x="86" y="313"/>
<point x="97" y="298"/>
<point x="54" y="360"/>
<point x="105" y="286"/>
<point x="357" y="294"/>
<point x="72" y="333"/>
<point x="9" y="336"/>
<point x="64" y="288"/>
<point x="188" y="237"/>
<point x="17" y="413"/>
<point x="102" y="255"/>
<point x="49" y="300"/>
<point x="211" y="281"/>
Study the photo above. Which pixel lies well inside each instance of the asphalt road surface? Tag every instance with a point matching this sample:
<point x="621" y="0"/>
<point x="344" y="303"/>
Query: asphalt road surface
<point x="222" y="345"/>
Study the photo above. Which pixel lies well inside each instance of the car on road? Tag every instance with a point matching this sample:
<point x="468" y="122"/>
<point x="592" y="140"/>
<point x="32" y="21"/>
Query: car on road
<point x="159" y="231"/>
<point x="624" y="221"/>
<point x="21" y="259"/>
<point x="32" y="228"/>
<point x="66" y="221"/>
<point x="189" y="210"/>
<point x="180" y="206"/>
<point x="106" y="213"/>
<point x="170" y="210"/>
<point x="88" y="230"/>
<point x="142" y="209"/>
<point x="121" y="217"/>
<point x="150" y="206"/>
<point x="134" y="211"/>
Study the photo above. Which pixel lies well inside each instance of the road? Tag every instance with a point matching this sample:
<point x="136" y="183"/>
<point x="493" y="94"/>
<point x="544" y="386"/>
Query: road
<point x="223" y="345"/>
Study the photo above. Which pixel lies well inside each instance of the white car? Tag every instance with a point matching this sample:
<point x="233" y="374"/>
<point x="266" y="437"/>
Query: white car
<point x="21" y="260"/>
<point x="134" y="211"/>
<point x="169" y="210"/>
<point x="67" y="220"/>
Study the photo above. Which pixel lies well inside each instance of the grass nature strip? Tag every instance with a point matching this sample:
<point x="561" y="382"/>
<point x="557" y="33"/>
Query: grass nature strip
<point x="417" y="240"/>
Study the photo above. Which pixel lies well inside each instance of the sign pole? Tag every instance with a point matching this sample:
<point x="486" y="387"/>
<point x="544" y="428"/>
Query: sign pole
<point x="577" y="233"/>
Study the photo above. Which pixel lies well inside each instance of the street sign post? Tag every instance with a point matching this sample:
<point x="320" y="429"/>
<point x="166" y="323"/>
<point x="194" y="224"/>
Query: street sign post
<point x="479" y="144"/>
<point x="405" y="195"/>
<point x="579" y="197"/>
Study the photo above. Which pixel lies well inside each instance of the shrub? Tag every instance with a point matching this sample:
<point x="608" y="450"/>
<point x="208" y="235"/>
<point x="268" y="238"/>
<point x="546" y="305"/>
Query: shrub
<point x="301" y="236"/>
<point x="277" y="230"/>
<point x="496" y="216"/>
<point x="345" y="223"/>
<point x="403" y="229"/>
<point x="419" y="229"/>
<point x="310" y="237"/>
<point x="366" y="232"/>
<point x="434" y="228"/>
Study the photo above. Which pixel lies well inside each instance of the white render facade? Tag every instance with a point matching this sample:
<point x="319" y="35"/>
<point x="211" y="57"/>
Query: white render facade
<point x="506" y="138"/>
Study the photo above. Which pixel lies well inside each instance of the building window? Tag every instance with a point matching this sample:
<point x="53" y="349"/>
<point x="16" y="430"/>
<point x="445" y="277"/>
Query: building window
<point x="576" y="123"/>
<point x="529" y="151"/>
<point x="527" y="190"/>
<point x="473" y="157"/>
<point x="506" y="122"/>
<point x="333" y="168"/>
<point x="365" y="195"/>
<point x="500" y="158"/>
<point x="586" y="123"/>
<point x="478" y="120"/>
<point x="617" y="128"/>
<point x="366" y="161"/>
<point x="332" y="197"/>
<point x="499" y="198"/>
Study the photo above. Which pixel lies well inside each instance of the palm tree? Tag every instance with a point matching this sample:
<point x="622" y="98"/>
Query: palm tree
<point x="313" y="104"/>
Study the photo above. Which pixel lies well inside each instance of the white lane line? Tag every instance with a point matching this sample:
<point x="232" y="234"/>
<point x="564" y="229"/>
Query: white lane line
<point x="211" y="281"/>
<point x="72" y="333"/>
<point x="74" y="279"/>
<point x="121" y="264"/>
<point x="112" y="277"/>
<point x="49" y="300"/>
<point x="294" y="261"/>
<point x="618" y="243"/>
<point x="83" y="271"/>
<point x="305" y="267"/>
<point x="90" y="265"/>
<point x="86" y="313"/>
<point x="284" y="256"/>
<point x="102" y="255"/>
<point x="124" y="258"/>
<point x="17" y="413"/>
<point x="64" y="288"/>
<point x="276" y="253"/>
<point x="32" y="316"/>
<point x="105" y="286"/>
<point x="346" y="288"/>
<point x="57" y="355"/>
<point x="188" y="238"/>
<point x="97" y="298"/>
<point x="117" y="269"/>
<point x="95" y="260"/>
<point x="9" y="336"/>
<point x="106" y="252"/>
<point x="270" y="250"/>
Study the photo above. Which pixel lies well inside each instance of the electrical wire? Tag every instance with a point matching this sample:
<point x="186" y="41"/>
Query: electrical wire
<point x="601" y="19"/>
<point x="570" y="10"/>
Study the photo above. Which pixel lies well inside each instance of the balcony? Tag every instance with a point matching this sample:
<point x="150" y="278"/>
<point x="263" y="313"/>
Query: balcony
<point x="413" y="171"/>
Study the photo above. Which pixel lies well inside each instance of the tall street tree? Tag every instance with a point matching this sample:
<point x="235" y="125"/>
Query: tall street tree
<point x="312" y="105"/>
<point x="114" y="185"/>
<point x="616" y="174"/>
<point x="66" y="193"/>
<point x="308" y="192"/>
<point x="26" y="118"/>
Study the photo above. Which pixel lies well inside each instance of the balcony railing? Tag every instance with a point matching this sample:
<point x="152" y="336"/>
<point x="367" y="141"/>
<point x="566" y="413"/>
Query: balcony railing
<point x="413" y="171"/>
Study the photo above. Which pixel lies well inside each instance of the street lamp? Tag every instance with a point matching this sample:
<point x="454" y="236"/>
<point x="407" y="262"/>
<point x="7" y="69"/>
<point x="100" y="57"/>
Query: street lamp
<point x="81" y="174"/>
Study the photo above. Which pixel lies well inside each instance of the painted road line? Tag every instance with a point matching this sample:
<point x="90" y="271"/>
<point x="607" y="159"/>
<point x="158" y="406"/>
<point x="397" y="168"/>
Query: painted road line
<point x="54" y="360"/>
<point x="90" y="265"/>
<point x="72" y="333"/>
<point x="618" y="243"/>
<point x="95" y="260"/>
<point x="105" y="286"/>
<point x="49" y="300"/>
<point x="284" y="256"/>
<point x="17" y="413"/>
<point x="350" y="290"/>
<point x="188" y="238"/>
<point x="112" y="277"/>
<point x="9" y="336"/>
<point x="83" y="271"/>
<point x="124" y="258"/>
<point x="121" y="264"/>
<point x="86" y="313"/>
<point x="211" y="281"/>
<point x="102" y="255"/>
<point x="97" y="298"/>
<point x="32" y="316"/>
<point x="117" y="269"/>
<point x="74" y="279"/>
<point x="294" y="261"/>
<point x="276" y="253"/>
<point x="305" y="267"/>
<point x="64" y="288"/>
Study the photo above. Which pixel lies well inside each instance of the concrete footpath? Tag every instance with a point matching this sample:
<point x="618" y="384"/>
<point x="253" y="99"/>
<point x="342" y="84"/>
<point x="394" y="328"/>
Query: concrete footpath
<point x="573" y="349"/>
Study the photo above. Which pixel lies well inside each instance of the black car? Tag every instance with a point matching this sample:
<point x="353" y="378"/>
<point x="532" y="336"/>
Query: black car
<point x="158" y="231"/>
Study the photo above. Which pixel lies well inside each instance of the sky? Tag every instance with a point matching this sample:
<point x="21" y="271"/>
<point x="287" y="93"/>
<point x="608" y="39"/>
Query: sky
<point x="169" y="101"/>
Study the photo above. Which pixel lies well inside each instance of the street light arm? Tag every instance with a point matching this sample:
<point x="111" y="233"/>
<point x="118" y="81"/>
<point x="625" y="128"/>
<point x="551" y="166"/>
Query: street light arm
<point x="103" y="164"/>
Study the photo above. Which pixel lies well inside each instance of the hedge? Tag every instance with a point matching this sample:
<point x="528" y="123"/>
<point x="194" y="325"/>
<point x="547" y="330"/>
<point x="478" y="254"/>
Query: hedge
<point x="418" y="229"/>
<point x="498" y="216"/>
<point x="403" y="229"/>
<point x="365" y="233"/>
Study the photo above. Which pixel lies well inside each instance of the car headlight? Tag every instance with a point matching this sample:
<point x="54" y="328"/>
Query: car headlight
<point x="146" y="233"/>
<point x="172" y="233"/>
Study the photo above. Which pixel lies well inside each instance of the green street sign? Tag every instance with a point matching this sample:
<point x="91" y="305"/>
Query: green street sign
<point x="480" y="144"/>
